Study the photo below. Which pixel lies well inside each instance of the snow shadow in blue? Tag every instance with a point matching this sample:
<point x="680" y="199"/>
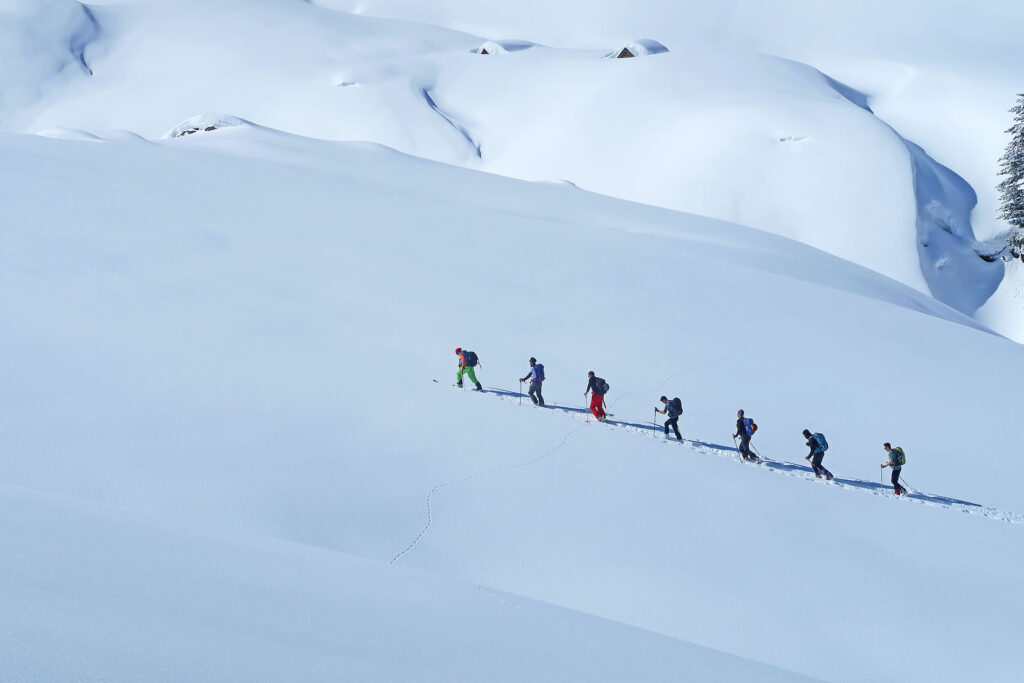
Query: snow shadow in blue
<point x="525" y="397"/>
<point x="779" y="465"/>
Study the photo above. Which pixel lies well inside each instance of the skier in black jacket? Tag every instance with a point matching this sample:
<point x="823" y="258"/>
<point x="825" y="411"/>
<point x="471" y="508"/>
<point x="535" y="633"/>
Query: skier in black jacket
<point x="595" y="387"/>
<point x="673" y="409"/>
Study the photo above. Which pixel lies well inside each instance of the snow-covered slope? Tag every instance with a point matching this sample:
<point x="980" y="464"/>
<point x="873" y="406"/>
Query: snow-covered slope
<point x="95" y="594"/>
<point x="942" y="75"/>
<point x="230" y="445"/>
<point x="241" y="328"/>
<point x="709" y="127"/>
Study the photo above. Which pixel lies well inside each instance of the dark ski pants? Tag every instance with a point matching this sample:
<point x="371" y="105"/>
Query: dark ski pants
<point x="673" y="422"/>
<point x="596" y="405"/>
<point x="535" y="394"/>
<point x="816" y="464"/>
<point x="896" y="481"/>
<point x="745" y="447"/>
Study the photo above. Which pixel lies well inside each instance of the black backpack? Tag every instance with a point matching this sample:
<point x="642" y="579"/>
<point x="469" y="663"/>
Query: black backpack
<point x="602" y="386"/>
<point x="471" y="359"/>
<point x="677" y="402"/>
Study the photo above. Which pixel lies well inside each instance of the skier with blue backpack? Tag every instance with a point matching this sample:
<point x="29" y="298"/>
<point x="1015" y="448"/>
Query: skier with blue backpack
<point x="818" y="445"/>
<point x="536" y="377"/>
<point x="745" y="428"/>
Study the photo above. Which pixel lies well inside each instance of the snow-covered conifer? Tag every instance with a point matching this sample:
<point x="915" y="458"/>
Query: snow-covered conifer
<point x="1011" y="189"/>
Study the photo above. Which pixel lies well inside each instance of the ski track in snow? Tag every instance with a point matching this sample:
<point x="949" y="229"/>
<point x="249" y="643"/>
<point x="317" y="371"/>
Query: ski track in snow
<point x="707" y="448"/>
<point x="502" y="393"/>
<point x="495" y="470"/>
<point x="800" y="471"/>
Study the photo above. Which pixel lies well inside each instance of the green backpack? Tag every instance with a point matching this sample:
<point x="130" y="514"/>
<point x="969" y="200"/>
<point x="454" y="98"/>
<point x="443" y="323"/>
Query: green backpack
<point x="900" y="457"/>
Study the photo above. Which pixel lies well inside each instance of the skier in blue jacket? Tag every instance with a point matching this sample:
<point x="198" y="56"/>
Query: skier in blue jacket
<point x="536" y="377"/>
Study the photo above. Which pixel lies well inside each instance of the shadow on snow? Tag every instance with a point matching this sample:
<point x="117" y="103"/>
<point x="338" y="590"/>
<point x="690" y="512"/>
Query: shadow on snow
<point x="768" y="463"/>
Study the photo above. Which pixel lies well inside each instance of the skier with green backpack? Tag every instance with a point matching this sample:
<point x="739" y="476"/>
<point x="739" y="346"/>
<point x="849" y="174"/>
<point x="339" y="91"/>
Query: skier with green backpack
<point x="897" y="459"/>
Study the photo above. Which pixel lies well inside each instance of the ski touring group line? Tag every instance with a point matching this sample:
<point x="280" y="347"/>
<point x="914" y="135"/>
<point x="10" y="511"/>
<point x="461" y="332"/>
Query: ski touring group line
<point x="598" y="388"/>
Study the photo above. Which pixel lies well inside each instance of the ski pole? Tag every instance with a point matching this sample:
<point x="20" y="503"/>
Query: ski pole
<point x="905" y="482"/>
<point x="654" y="423"/>
<point x="757" y="451"/>
<point x="520" y="392"/>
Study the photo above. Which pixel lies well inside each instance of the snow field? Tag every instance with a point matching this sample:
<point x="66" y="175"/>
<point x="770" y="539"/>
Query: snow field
<point x="242" y="328"/>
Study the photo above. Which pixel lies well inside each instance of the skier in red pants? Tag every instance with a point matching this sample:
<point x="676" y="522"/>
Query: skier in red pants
<point x="599" y="388"/>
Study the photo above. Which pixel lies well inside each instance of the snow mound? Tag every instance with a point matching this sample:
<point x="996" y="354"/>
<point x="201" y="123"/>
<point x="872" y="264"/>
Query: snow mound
<point x="495" y="47"/>
<point x="640" y="47"/>
<point x="68" y="134"/>
<point x="86" y="136"/>
<point x="204" y="123"/>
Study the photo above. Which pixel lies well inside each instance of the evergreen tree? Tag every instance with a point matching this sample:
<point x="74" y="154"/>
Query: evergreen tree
<point x="1011" y="189"/>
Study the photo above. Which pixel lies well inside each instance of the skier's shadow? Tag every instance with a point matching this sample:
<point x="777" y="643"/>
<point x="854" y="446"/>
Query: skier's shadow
<point x="551" y="406"/>
<point x="868" y="485"/>
<point x="779" y="465"/>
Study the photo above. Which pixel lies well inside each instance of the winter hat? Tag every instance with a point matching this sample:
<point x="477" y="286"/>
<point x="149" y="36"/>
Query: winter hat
<point x="458" y="350"/>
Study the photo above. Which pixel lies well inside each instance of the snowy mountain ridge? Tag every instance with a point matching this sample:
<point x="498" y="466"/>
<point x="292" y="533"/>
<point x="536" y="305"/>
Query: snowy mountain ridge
<point x="701" y="117"/>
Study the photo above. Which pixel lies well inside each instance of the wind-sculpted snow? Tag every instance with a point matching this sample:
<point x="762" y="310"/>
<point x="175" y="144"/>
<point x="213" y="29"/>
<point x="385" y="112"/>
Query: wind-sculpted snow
<point x="951" y="257"/>
<point x="950" y="260"/>
<point x="42" y="44"/>
<point x="709" y="127"/>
